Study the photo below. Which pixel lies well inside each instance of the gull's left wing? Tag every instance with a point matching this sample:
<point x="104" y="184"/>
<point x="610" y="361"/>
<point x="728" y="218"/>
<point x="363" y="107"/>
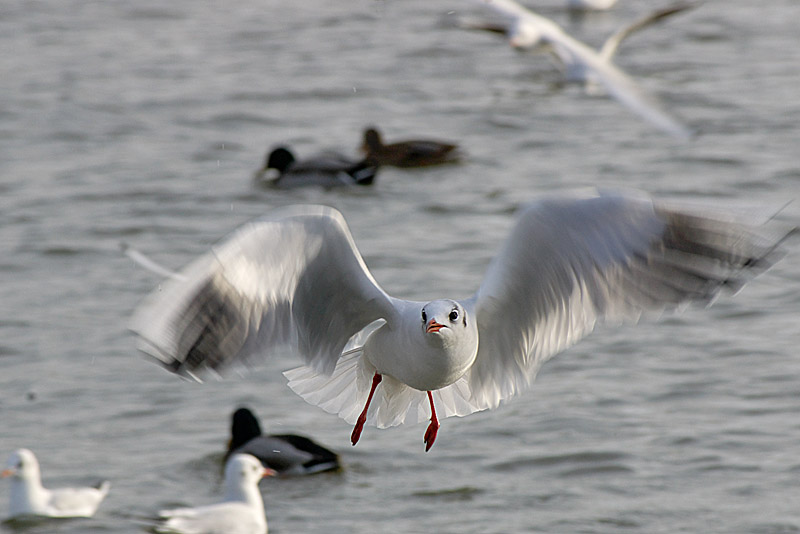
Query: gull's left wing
<point x="571" y="262"/>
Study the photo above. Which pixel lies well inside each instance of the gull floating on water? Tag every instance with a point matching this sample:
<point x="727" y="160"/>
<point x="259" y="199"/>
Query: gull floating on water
<point x="296" y="278"/>
<point x="240" y="512"/>
<point x="526" y="29"/>
<point x="288" y="454"/>
<point x="29" y="498"/>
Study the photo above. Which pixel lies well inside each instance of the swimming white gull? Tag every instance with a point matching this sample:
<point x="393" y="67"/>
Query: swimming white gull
<point x="240" y="512"/>
<point x="296" y="278"/>
<point x="29" y="498"/>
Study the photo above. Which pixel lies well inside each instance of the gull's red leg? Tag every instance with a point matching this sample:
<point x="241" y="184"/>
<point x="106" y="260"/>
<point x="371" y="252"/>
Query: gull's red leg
<point x="433" y="428"/>
<point x="363" y="417"/>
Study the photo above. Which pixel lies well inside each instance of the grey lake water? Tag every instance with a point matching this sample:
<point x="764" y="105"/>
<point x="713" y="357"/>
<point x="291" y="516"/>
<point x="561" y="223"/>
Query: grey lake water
<point x="143" y="122"/>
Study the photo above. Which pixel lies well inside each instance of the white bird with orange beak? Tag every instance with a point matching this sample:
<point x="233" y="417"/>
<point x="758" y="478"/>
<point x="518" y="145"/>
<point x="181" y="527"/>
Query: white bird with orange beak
<point x="29" y="498"/>
<point x="296" y="278"/>
<point x="240" y="512"/>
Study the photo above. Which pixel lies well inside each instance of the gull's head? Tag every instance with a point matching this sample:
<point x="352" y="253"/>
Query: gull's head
<point x="450" y="344"/>
<point x="245" y="470"/>
<point x="522" y="35"/>
<point x="443" y="317"/>
<point x="22" y="464"/>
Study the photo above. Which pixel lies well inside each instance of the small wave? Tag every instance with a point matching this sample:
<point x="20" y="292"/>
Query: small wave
<point x="606" y="461"/>
<point x="464" y="493"/>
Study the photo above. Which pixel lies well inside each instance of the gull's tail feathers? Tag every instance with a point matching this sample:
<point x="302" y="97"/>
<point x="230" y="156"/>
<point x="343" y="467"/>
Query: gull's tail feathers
<point x="345" y="391"/>
<point x="103" y="487"/>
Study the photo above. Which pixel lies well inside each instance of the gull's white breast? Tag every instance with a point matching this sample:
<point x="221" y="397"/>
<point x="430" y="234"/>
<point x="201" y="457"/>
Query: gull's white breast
<point x="402" y="350"/>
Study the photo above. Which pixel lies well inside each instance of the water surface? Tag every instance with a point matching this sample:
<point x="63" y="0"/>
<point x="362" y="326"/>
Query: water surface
<point x="143" y="122"/>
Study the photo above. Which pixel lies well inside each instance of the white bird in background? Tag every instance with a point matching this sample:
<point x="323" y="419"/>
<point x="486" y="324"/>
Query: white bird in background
<point x="581" y="63"/>
<point x="29" y="498"/>
<point x="240" y="512"/>
<point x="296" y="278"/>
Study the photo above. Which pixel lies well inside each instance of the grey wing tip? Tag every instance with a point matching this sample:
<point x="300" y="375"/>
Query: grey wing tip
<point x="170" y="363"/>
<point x="208" y="333"/>
<point x="769" y="255"/>
<point x="179" y="368"/>
<point x="736" y="253"/>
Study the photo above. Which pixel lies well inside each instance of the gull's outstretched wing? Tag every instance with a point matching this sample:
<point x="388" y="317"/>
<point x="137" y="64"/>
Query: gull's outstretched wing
<point x="292" y="278"/>
<point x="529" y="29"/>
<point x="570" y="262"/>
<point x="612" y="43"/>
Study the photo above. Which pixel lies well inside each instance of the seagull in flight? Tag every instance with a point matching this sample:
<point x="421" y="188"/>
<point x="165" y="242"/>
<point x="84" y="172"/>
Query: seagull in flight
<point x="582" y="63"/>
<point x="295" y="278"/>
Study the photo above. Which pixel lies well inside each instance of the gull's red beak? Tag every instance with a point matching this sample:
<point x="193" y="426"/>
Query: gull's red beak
<point x="433" y="326"/>
<point x="269" y="473"/>
<point x="6" y="473"/>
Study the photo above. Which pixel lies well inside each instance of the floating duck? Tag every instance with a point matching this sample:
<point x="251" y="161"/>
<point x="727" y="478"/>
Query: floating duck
<point x="408" y="153"/>
<point x="288" y="454"/>
<point x="328" y="170"/>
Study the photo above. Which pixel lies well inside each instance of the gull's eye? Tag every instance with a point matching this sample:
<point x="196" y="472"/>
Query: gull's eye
<point x="454" y="315"/>
<point x="424" y="317"/>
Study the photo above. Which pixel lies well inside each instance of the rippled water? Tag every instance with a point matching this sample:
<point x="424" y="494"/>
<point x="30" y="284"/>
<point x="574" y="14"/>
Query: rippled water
<point x="143" y="122"/>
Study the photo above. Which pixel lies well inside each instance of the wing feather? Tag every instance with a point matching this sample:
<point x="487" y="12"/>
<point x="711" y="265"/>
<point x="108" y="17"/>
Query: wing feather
<point x="611" y="45"/>
<point x="571" y="262"/>
<point x="294" y="278"/>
